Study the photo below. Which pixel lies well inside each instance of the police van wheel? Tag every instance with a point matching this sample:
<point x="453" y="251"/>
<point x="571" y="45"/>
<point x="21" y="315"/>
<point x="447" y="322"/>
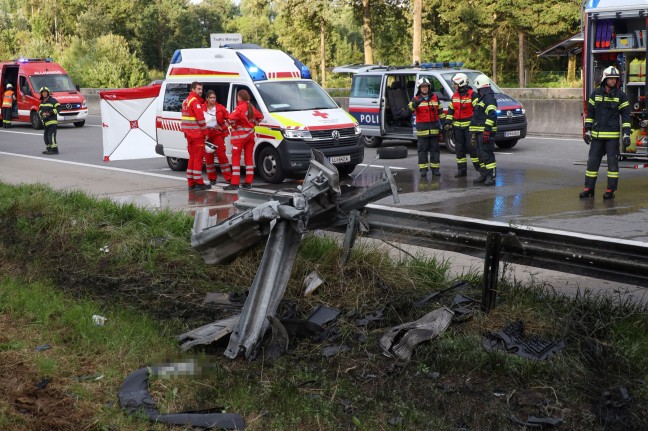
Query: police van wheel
<point x="398" y="152"/>
<point x="506" y="144"/>
<point x="269" y="166"/>
<point x="79" y="123"/>
<point x="35" y="121"/>
<point x="371" y="141"/>
<point x="177" y="164"/>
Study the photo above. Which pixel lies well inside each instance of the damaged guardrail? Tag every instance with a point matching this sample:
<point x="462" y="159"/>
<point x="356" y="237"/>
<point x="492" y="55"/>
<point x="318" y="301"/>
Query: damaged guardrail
<point x="582" y="254"/>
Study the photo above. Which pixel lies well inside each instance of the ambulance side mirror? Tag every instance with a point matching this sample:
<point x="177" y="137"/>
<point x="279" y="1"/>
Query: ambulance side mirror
<point x="77" y="88"/>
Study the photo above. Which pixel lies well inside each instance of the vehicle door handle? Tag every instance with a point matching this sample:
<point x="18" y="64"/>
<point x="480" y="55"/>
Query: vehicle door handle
<point x="374" y="101"/>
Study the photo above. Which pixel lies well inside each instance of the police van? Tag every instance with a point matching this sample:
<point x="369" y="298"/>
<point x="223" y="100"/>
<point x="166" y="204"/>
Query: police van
<point x="379" y="93"/>
<point x="28" y="76"/>
<point x="298" y="114"/>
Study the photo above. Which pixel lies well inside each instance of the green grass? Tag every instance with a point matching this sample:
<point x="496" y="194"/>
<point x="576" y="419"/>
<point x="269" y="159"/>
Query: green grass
<point x="151" y="285"/>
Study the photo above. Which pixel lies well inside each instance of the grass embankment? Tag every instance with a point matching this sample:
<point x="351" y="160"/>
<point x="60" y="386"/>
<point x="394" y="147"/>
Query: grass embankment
<point x="65" y="257"/>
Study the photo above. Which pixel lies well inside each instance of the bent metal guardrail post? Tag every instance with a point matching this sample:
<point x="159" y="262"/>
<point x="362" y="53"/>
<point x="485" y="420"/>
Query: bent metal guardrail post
<point x="319" y="203"/>
<point x="491" y="271"/>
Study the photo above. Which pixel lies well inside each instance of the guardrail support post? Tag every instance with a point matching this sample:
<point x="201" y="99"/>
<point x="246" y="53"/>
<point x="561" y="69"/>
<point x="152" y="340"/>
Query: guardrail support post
<point x="491" y="270"/>
<point x="350" y="236"/>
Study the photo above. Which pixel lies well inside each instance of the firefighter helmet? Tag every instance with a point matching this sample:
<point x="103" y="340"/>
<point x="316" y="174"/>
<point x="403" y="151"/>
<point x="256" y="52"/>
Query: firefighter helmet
<point x="44" y="89"/>
<point x="461" y="79"/>
<point x="9" y="86"/>
<point x="424" y="81"/>
<point x="482" y="81"/>
<point x="609" y="72"/>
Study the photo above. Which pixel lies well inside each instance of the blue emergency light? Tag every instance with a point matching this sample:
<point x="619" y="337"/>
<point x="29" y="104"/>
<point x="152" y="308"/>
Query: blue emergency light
<point x="303" y="69"/>
<point x="440" y="64"/>
<point x="27" y="60"/>
<point x="255" y="72"/>
<point x="177" y="57"/>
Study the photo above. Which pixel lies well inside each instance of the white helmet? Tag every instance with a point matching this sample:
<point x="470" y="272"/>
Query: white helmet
<point x="423" y="81"/>
<point x="482" y="81"/>
<point x="461" y="79"/>
<point x="210" y="148"/>
<point x="610" y="72"/>
<point x="9" y="86"/>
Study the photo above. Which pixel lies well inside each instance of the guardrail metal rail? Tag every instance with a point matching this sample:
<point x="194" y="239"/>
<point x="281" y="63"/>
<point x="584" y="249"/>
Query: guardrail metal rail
<point x="613" y="259"/>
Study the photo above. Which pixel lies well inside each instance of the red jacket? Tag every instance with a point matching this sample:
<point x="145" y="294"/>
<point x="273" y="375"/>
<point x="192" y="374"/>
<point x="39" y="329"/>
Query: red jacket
<point x="221" y="119"/>
<point x="242" y="126"/>
<point x="460" y="110"/>
<point x="193" y="116"/>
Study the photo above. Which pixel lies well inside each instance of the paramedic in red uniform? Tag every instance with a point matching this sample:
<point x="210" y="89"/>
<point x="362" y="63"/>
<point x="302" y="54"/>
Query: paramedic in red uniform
<point x="195" y="130"/>
<point x="216" y="117"/>
<point x="243" y="120"/>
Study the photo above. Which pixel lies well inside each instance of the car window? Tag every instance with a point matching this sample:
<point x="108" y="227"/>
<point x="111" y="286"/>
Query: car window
<point x="234" y="102"/>
<point x="366" y="86"/>
<point x="437" y="86"/>
<point x="447" y="77"/>
<point x="282" y="96"/>
<point x="174" y="95"/>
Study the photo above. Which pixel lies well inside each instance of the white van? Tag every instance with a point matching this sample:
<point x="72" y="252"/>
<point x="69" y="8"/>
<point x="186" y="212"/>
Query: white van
<point x="298" y="114"/>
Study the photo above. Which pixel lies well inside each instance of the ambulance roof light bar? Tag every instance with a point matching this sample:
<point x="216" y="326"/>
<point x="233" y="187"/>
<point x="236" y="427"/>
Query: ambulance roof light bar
<point x="439" y="64"/>
<point x="303" y="69"/>
<point x="255" y="72"/>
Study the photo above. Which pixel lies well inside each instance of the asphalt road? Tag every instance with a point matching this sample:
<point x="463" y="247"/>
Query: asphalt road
<point x="538" y="181"/>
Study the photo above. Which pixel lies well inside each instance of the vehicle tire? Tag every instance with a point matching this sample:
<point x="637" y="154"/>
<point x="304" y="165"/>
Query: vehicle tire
<point x="269" y="166"/>
<point x="36" y="122"/>
<point x="346" y="169"/>
<point x="371" y="141"/>
<point x="79" y="123"/>
<point x="450" y="142"/>
<point x="398" y="152"/>
<point x="177" y="164"/>
<point x="506" y="144"/>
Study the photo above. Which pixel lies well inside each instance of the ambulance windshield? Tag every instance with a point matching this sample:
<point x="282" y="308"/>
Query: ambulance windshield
<point x="55" y="82"/>
<point x="282" y="96"/>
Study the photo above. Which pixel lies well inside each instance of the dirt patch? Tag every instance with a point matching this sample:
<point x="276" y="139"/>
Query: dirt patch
<point x="29" y="401"/>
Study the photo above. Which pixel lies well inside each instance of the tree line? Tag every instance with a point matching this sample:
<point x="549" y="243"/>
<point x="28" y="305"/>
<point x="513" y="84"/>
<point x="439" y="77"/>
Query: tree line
<point x="125" y="43"/>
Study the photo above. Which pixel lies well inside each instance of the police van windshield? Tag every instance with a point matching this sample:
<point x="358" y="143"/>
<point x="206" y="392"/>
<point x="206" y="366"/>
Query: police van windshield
<point x="471" y="79"/>
<point x="55" y="82"/>
<point x="284" y="96"/>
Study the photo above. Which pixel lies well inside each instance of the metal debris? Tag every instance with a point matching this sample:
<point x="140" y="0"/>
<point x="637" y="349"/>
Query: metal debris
<point x="426" y="328"/>
<point x="312" y="282"/>
<point x="324" y="315"/>
<point x="208" y="333"/>
<point x="511" y="339"/>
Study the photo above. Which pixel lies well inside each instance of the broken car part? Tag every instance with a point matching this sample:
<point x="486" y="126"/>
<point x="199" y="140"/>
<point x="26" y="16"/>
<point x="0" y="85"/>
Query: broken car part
<point x="324" y="315"/>
<point x="312" y="282"/>
<point x="135" y="397"/>
<point x="511" y="339"/>
<point x="426" y="328"/>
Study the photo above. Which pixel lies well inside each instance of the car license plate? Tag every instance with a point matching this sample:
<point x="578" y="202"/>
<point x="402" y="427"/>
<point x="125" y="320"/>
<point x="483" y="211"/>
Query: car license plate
<point x="339" y="159"/>
<point x="511" y="133"/>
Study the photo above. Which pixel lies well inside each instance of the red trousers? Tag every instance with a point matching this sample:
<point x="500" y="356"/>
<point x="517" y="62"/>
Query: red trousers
<point x="245" y="145"/>
<point x="226" y="169"/>
<point x="196" y="149"/>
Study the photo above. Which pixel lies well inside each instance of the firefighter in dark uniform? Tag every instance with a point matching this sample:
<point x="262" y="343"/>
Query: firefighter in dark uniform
<point x="48" y="111"/>
<point x="460" y="112"/>
<point x="483" y="127"/>
<point x="602" y="130"/>
<point x="428" y="113"/>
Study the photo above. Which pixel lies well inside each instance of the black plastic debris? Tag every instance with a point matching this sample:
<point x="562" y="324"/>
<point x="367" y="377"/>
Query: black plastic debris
<point x="300" y="328"/>
<point x="42" y="347"/>
<point x="278" y="343"/>
<point x="511" y="339"/>
<point x="43" y="383"/>
<point x="323" y="315"/>
<point x="135" y="397"/>
<point x="434" y="295"/>
<point x="368" y="318"/>
<point x="463" y="307"/>
<point x="333" y="350"/>
<point x="537" y="423"/>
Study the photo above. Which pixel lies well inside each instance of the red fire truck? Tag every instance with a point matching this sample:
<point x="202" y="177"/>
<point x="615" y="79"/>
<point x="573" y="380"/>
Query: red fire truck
<point x="28" y="76"/>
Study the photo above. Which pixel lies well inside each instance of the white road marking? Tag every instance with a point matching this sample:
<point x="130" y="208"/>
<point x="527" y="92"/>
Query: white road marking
<point x="555" y="139"/>
<point x="22" y="133"/>
<point x="87" y="165"/>
<point x="382" y="167"/>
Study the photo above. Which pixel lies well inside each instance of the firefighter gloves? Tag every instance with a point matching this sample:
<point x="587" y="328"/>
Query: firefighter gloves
<point x="587" y="137"/>
<point x="486" y="136"/>
<point x="626" y="141"/>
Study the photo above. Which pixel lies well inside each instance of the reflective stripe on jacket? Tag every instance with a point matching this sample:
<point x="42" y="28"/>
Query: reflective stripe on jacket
<point x="243" y="128"/>
<point x="603" y="112"/>
<point x="428" y="113"/>
<point x="484" y="111"/>
<point x="48" y="110"/>
<point x="193" y="117"/>
<point x="8" y="99"/>
<point x="460" y="110"/>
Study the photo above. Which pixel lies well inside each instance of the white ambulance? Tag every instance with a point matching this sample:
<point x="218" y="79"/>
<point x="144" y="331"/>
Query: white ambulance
<point x="298" y="114"/>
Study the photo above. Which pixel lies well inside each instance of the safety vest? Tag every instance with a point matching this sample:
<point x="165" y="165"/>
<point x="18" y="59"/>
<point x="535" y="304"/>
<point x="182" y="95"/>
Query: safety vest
<point x="427" y="114"/>
<point x="193" y="117"/>
<point x="460" y="110"/>
<point x="7" y="100"/>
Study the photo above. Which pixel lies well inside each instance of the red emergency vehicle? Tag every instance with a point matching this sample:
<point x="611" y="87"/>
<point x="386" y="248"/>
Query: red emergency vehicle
<point x="28" y="76"/>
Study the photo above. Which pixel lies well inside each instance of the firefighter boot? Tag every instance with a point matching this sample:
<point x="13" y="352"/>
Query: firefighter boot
<point x="490" y="180"/>
<point x="436" y="172"/>
<point x="423" y="173"/>
<point x="461" y="173"/>
<point x="586" y="193"/>
<point x="482" y="176"/>
<point x="609" y="194"/>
